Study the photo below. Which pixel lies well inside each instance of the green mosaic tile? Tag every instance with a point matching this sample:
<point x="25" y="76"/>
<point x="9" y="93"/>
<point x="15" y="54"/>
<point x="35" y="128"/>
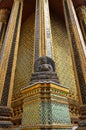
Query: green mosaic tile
<point x="31" y="114"/>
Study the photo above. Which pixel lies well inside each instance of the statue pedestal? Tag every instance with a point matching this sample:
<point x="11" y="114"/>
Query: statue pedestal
<point x="45" y="106"/>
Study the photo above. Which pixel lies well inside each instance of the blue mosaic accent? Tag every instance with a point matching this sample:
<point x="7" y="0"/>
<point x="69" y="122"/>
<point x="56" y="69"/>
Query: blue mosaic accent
<point x="46" y="113"/>
<point x="37" y="33"/>
<point x="48" y="29"/>
<point x="54" y="113"/>
<point x="60" y="113"/>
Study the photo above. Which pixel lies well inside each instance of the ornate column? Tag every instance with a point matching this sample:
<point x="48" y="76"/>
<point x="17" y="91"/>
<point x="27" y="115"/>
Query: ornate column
<point x="45" y="104"/>
<point x="8" y="62"/>
<point x="4" y="14"/>
<point x="81" y="12"/>
<point x="78" y="49"/>
<point x="43" y="38"/>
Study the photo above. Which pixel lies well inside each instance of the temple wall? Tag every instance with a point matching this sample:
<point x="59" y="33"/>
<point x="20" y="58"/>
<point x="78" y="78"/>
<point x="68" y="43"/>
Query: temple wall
<point x="61" y="55"/>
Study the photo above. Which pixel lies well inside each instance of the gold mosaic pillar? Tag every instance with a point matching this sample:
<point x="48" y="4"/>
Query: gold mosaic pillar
<point x="78" y="51"/>
<point x="81" y="12"/>
<point x="45" y="104"/>
<point x="78" y="48"/>
<point x="8" y="62"/>
<point x="43" y="38"/>
<point x="4" y="13"/>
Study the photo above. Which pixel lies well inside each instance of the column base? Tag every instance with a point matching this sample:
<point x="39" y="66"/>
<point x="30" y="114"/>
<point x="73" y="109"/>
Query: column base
<point x="82" y="122"/>
<point x="45" y="104"/>
<point x="81" y="128"/>
<point x="5" y="117"/>
<point x="82" y="125"/>
<point x="45" y="107"/>
<point x="5" y="124"/>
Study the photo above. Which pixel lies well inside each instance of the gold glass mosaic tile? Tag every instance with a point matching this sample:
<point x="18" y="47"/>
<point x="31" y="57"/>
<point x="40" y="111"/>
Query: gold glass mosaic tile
<point x="62" y="55"/>
<point x="25" y="56"/>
